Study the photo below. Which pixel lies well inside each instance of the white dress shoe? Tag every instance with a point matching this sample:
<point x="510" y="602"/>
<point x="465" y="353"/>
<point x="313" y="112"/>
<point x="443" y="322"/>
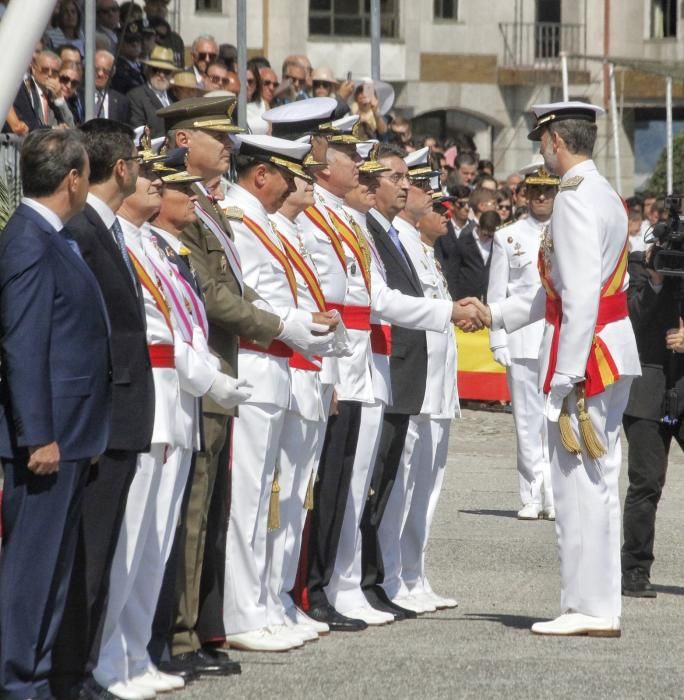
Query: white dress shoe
<point x="156" y="680"/>
<point x="126" y="691"/>
<point x="261" y="640"/>
<point x="305" y="632"/>
<point x="286" y="633"/>
<point x="414" y="603"/>
<point x="299" y="617"/>
<point x="531" y="511"/>
<point x="371" y="616"/>
<point x="440" y="602"/>
<point x="549" y="513"/>
<point x="577" y="624"/>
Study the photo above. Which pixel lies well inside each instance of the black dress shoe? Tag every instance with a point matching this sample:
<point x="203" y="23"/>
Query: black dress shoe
<point x="636" y="584"/>
<point x="379" y="600"/>
<point x="337" y="623"/>
<point x="205" y="665"/>
<point x="210" y="655"/>
<point x="178" y="666"/>
<point x="91" y="690"/>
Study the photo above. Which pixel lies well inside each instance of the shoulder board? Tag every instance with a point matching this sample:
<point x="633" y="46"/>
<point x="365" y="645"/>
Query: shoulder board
<point x="508" y="223"/>
<point x="233" y="213"/>
<point x="571" y="183"/>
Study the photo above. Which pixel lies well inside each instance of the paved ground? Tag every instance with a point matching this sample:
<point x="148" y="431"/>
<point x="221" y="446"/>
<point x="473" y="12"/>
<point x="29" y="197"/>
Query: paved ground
<point x="505" y="575"/>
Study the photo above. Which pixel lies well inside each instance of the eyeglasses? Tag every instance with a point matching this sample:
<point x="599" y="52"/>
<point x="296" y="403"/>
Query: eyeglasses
<point x="206" y="56"/>
<point x="66" y="80"/>
<point x="218" y="80"/>
<point x="50" y="72"/>
<point x="396" y="178"/>
<point x="321" y="84"/>
<point x="104" y="71"/>
<point x="134" y="159"/>
<point x="271" y="83"/>
<point x="294" y="80"/>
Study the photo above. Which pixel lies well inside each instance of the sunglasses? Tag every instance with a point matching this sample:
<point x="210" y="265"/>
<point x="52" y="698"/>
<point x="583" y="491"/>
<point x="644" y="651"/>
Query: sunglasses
<point x="291" y="78"/>
<point x="321" y="84"/>
<point x="271" y="83"/>
<point x="504" y="206"/>
<point x="206" y="56"/>
<point x="218" y="80"/>
<point x="66" y="80"/>
<point x="50" y="72"/>
<point x="162" y="71"/>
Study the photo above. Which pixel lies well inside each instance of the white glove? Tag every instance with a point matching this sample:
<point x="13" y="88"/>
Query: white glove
<point x="561" y="386"/>
<point x="300" y="337"/>
<point x="502" y="355"/>
<point x="228" y="392"/>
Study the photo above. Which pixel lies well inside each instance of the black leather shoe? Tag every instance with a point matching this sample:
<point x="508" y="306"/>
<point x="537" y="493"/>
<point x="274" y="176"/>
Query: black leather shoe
<point x="180" y="667"/>
<point x="378" y="599"/>
<point x="205" y="665"/>
<point x="337" y="622"/>
<point x="91" y="690"/>
<point x="636" y="584"/>
<point x="211" y="655"/>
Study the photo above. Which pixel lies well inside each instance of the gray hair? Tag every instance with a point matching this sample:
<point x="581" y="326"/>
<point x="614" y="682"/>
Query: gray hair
<point x="203" y="37"/>
<point x="578" y="135"/>
<point x="47" y="157"/>
<point x="50" y="54"/>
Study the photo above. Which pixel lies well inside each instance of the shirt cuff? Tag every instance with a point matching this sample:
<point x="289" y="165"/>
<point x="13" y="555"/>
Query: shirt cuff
<point x="497" y="316"/>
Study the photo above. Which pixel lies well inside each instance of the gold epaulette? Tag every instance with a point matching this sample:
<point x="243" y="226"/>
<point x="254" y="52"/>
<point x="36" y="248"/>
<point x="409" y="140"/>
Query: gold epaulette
<point x="572" y="183"/>
<point x="506" y="223"/>
<point x="233" y="213"/>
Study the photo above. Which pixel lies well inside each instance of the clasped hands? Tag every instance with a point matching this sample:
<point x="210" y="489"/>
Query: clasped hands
<point x="470" y="314"/>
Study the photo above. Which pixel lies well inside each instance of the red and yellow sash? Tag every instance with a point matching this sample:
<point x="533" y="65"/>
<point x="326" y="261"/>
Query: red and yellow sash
<point x="274" y="251"/>
<point x="306" y="272"/>
<point x="152" y="288"/>
<point x="601" y="369"/>
<point x="320" y="222"/>
<point x="351" y="239"/>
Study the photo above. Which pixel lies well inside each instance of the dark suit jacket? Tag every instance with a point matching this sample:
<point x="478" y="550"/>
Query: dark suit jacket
<point x="118" y="106"/>
<point x="468" y="273"/>
<point x="446" y="253"/>
<point x="652" y="314"/>
<point x="24" y="109"/>
<point x="144" y="105"/>
<point x="55" y="344"/>
<point x="132" y="384"/>
<point x="408" y="361"/>
<point x="126" y="77"/>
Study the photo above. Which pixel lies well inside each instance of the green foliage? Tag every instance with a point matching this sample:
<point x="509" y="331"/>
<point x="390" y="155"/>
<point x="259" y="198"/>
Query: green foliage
<point x="658" y="182"/>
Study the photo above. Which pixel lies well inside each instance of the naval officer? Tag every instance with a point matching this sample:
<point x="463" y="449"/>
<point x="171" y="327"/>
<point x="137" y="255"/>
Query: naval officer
<point x="588" y="360"/>
<point x="513" y="270"/>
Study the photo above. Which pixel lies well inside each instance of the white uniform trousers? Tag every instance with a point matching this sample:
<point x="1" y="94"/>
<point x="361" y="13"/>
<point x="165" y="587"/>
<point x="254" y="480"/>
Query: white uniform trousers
<point x="257" y="436"/>
<point x="587" y="505"/>
<point x="423" y="467"/>
<point x="344" y="590"/>
<point x="534" y="470"/>
<point x="144" y="546"/>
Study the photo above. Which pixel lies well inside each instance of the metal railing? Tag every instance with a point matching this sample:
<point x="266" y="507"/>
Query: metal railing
<point x="537" y="45"/>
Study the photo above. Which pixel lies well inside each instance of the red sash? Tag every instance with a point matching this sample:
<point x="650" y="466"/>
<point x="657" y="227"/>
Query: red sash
<point x="601" y="369"/>
<point x="381" y="338"/>
<point x="298" y="361"/>
<point x="321" y="223"/>
<point x="277" y="348"/>
<point x="161" y="356"/>
<point x="273" y="249"/>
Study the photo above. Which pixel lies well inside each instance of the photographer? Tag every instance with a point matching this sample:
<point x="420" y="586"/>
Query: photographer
<point x="652" y="416"/>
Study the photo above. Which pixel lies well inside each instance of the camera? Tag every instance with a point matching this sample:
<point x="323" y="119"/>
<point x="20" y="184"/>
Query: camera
<point x="669" y="236"/>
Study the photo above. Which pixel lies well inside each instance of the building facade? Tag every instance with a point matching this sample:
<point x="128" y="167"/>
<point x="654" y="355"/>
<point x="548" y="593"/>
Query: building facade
<point x="473" y="66"/>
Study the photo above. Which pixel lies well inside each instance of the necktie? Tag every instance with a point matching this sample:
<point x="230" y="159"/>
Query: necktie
<point x="394" y="237"/>
<point x="121" y="243"/>
<point x="46" y="108"/>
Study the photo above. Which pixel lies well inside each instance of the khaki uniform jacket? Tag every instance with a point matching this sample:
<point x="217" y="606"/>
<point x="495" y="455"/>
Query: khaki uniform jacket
<point x="230" y="314"/>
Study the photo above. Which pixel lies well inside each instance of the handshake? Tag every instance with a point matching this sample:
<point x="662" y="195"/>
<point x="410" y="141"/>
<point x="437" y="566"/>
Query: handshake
<point x="470" y="314"/>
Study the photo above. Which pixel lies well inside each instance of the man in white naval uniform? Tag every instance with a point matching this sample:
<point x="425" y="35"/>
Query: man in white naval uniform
<point x="513" y="271"/>
<point x="182" y="371"/>
<point x="588" y="349"/>
<point x="266" y="168"/>
<point x="406" y="522"/>
<point x="388" y="305"/>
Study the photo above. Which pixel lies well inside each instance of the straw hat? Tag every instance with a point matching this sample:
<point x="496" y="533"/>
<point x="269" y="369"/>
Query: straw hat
<point x="161" y="57"/>
<point x="324" y="75"/>
<point x="187" y="80"/>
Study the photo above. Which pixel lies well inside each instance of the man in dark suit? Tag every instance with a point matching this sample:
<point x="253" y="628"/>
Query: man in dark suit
<point x="55" y="402"/>
<point x="654" y="309"/>
<point x="109" y="104"/>
<point x="113" y="174"/>
<point x="148" y="99"/>
<point x="408" y="372"/>
<point x="129" y="69"/>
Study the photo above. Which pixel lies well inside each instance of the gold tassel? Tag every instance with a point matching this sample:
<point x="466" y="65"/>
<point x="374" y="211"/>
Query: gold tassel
<point x="591" y="440"/>
<point x="568" y="437"/>
<point x="274" y="505"/>
<point x="309" y="498"/>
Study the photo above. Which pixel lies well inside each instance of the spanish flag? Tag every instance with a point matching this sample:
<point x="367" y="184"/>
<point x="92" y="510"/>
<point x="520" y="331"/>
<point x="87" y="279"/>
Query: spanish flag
<point x="479" y="376"/>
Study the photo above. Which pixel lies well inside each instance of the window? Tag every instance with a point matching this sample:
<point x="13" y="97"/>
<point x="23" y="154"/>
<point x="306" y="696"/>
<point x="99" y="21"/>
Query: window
<point x="446" y="9"/>
<point x="351" y="18"/>
<point x="209" y="5"/>
<point x="663" y="19"/>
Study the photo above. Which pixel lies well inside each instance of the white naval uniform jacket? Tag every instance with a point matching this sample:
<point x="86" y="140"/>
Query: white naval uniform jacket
<point x="332" y="275"/>
<point x="513" y="270"/>
<point x="586" y="237"/>
<point x="270" y="375"/>
<point x="393" y="307"/>
<point x="305" y="398"/>
<point x="175" y="420"/>
<point x="441" y="393"/>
